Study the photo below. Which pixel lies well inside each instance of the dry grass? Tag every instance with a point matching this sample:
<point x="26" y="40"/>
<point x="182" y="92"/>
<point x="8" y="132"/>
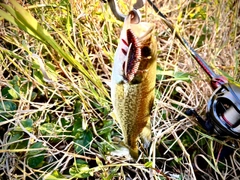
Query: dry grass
<point x="54" y="104"/>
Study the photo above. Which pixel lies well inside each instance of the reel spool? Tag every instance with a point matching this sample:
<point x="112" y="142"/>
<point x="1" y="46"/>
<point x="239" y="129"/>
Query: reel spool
<point x="223" y="111"/>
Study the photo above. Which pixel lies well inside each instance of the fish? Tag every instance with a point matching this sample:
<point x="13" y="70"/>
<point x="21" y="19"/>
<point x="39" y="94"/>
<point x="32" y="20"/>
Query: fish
<point x="133" y="82"/>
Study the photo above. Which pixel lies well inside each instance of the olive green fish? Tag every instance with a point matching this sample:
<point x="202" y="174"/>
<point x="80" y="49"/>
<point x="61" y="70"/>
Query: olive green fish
<point x="133" y="82"/>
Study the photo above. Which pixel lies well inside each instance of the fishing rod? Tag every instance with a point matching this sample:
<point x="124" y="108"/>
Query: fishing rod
<point x="223" y="108"/>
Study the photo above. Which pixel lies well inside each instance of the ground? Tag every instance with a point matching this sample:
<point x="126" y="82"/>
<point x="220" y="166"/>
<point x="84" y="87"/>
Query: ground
<point x="55" y="68"/>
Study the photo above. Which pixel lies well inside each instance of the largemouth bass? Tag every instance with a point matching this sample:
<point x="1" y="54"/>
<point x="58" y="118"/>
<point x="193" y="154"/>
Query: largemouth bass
<point x="133" y="82"/>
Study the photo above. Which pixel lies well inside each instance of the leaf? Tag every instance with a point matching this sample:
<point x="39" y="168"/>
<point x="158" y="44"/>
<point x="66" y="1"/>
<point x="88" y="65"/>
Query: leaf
<point x="56" y="175"/>
<point x="6" y="94"/>
<point x="99" y="162"/>
<point x="47" y="129"/>
<point x="28" y="124"/>
<point x="69" y="24"/>
<point x="25" y="90"/>
<point x="113" y="172"/>
<point x="13" y="91"/>
<point x="148" y="164"/>
<point x="10" y="17"/>
<point x="14" y="94"/>
<point x="50" y="129"/>
<point x="107" y="128"/>
<point x="7" y="109"/>
<point x="20" y="144"/>
<point x="80" y="161"/>
<point x="17" y="141"/>
<point x="83" y="139"/>
<point x="77" y="117"/>
<point x="36" y="146"/>
<point x="175" y="75"/>
<point x="80" y="171"/>
<point x="15" y="137"/>
<point x="35" y="159"/>
<point x="15" y="87"/>
<point x="38" y="76"/>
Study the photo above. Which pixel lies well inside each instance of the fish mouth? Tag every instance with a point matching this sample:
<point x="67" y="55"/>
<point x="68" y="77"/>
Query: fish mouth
<point x="136" y="44"/>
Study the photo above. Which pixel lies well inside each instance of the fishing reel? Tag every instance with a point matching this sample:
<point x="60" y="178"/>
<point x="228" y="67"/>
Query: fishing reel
<point x="223" y="112"/>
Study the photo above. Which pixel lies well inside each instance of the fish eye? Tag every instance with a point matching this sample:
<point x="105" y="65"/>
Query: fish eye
<point x="145" y="51"/>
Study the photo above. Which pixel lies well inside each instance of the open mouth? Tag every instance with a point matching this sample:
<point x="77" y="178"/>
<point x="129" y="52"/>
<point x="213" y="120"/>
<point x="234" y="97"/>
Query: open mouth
<point x="133" y="52"/>
<point x="133" y="56"/>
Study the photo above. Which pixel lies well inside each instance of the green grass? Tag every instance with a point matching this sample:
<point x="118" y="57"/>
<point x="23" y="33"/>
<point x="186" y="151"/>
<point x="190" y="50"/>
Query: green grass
<point x="55" y="68"/>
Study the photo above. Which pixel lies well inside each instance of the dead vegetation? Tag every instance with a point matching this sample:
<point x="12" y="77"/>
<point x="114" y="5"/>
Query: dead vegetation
<point x="54" y="100"/>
